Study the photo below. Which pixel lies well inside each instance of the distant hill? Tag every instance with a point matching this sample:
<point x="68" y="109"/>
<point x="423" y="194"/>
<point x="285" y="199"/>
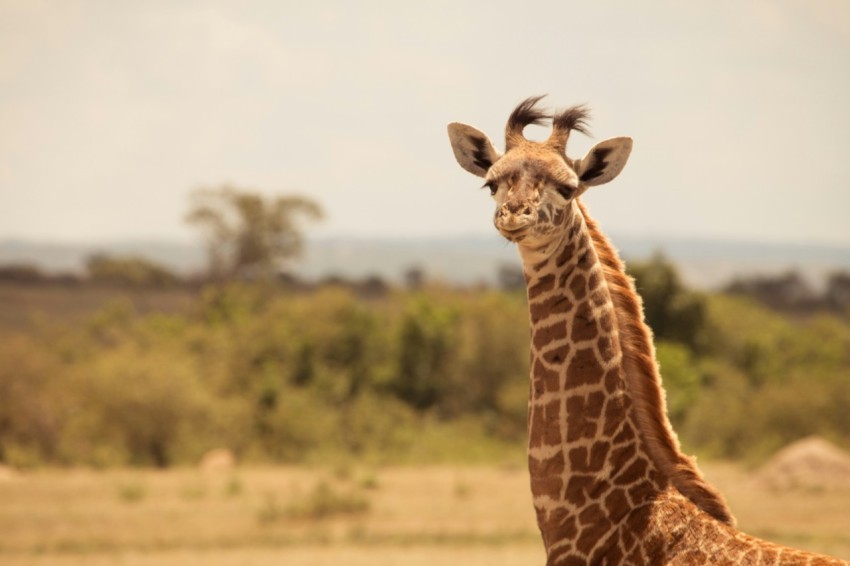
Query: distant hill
<point x="703" y="263"/>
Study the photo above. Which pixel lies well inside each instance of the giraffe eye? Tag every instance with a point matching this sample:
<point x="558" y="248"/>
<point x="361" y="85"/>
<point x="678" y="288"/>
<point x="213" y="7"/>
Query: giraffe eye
<point x="493" y="186"/>
<point x="565" y="191"/>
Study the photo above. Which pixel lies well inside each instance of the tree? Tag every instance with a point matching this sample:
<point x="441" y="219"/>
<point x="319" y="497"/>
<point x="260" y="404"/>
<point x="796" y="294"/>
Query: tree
<point x="788" y="291"/>
<point x="837" y="296"/>
<point x="672" y="311"/>
<point x="249" y="236"/>
<point x="426" y="354"/>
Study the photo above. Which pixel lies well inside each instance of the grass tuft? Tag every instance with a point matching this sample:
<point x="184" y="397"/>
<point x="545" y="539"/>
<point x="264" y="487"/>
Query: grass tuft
<point x="233" y="487"/>
<point x="132" y="491"/>
<point x="324" y="502"/>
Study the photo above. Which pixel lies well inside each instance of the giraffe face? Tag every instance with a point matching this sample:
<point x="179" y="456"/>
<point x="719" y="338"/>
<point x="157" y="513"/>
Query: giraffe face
<point x="535" y="183"/>
<point x="533" y="188"/>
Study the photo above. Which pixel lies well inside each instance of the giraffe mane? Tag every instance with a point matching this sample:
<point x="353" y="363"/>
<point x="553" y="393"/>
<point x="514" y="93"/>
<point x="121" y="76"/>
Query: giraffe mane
<point x="644" y="383"/>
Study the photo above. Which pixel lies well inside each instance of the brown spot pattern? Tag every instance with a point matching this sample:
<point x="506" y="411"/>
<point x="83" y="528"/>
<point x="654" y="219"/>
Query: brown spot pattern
<point x="554" y="305"/>
<point x="565" y="255"/>
<point x="584" y="325"/>
<point x="633" y="472"/>
<point x="559" y="217"/>
<point x="547" y="485"/>
<point x="612" y="380"/>
<point x="544" y="380"/>
<point x="579" y="486"/>
<point x="606" y="321"/>
<point x="578" y="287"/>
<point x="615" y="410"/>
<point x="557" y="354"/>
<point x="544" y="284"/>
<point x="579" y="424"/>
<point x="607" y="351"/>
<point x="544" y="335"/>
<point x="616" y="503"/>
<point x="583" y="369"/>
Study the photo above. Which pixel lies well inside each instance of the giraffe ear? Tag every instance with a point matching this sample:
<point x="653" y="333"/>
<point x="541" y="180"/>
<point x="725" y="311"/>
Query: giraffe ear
<point x="604" y="161"/>
<point x="473" y="149"/>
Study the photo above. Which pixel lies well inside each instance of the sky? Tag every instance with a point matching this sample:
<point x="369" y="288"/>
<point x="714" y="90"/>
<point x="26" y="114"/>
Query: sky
<point x="111" y="113"/>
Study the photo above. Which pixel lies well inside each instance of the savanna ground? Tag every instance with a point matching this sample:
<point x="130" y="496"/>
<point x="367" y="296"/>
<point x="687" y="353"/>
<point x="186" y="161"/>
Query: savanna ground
<point x="346" y="515"/>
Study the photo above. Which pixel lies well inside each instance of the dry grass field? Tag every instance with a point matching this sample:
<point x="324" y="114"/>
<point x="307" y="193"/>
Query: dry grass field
<point x="423" y="515"/>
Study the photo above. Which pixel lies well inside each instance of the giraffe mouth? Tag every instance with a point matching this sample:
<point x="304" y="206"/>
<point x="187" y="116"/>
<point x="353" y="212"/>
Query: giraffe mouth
<point x="514" y="234"/>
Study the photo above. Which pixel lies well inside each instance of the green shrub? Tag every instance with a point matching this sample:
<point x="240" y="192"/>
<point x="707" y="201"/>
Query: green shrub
<point x="33" y="408"/>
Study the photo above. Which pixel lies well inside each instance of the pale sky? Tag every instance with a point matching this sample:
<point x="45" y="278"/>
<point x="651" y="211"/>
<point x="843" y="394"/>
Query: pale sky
<point x="111" y="112"/>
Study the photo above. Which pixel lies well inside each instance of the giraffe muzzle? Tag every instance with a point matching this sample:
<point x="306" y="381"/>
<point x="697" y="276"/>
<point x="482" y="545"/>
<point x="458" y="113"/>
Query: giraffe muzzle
<point x="512" y="225"/>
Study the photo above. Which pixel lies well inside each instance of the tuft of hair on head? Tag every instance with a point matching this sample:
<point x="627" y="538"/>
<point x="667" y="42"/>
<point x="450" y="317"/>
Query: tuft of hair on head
<point x="573" y="118"/>
<point x="527" y="113"/>
<point x="565" y="121"/>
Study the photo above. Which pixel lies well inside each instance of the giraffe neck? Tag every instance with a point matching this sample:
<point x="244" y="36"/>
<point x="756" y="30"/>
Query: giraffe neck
<point x="588" y="465"/>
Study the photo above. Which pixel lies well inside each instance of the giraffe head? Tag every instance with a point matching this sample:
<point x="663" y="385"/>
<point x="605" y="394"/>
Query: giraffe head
<point x="533" y="183"/>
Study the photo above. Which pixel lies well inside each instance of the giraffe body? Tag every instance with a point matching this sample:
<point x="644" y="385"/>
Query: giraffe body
<point x="608" y="480"/>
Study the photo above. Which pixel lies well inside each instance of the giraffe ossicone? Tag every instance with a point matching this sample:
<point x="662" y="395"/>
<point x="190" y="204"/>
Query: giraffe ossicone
<point x="609" y="482"/>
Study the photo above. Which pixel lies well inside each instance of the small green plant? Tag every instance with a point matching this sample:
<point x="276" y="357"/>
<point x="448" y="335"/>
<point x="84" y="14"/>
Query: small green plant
<point x="194" y="491"/>
<point x="369" y="481"/>
<point x="343" y="471"/>
<point x="233" y="487"/>
<point x="270" y="511"/>
<point x="462" y="490"/>
<point x="132" y="491"/>
<point x="323" y="502"/>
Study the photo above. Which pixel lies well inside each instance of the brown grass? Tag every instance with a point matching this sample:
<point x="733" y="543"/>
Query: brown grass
<point x="424" y="515"/>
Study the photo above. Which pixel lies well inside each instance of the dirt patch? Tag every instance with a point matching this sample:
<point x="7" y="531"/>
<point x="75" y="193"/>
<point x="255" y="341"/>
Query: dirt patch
<point x="7" y="473"/>
<point x="218" y="460"/>
<point x="808" y="464"/>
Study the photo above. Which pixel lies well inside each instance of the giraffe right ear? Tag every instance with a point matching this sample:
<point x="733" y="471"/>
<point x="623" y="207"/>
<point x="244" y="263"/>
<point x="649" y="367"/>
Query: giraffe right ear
<point x="604" y="161"/>
<point x="473" y="149"/>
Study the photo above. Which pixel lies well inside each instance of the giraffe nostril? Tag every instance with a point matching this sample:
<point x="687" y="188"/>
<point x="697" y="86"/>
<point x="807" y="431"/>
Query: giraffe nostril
<point x="517" y="208"/>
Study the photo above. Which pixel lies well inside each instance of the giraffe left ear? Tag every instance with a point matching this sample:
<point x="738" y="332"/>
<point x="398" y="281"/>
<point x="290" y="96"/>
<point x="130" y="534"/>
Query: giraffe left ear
<point x="604" y="161"/>
<point x="473" y="150"/>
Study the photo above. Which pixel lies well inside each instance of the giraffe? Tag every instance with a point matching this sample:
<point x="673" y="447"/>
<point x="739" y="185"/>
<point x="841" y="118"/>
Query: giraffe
<point x="609" y="482"/>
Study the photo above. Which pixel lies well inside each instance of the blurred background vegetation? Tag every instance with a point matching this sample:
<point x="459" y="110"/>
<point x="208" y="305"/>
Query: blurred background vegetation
<point x="133" y="365"/>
